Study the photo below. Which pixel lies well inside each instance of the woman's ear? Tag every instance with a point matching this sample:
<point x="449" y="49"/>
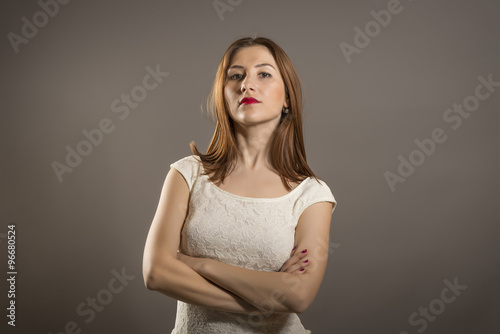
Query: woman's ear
<point x="287" y="99"/>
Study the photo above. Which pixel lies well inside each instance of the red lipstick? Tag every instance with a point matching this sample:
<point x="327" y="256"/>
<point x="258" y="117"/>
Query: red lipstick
<point x="248" y="100"/>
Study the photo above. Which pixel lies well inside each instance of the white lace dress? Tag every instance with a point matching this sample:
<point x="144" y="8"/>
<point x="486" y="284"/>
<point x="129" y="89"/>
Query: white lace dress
<point x="252" y="233"/>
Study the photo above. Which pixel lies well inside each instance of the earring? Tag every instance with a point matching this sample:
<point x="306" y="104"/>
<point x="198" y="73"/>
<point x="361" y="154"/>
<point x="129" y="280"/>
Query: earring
<point x="285" y="110"/>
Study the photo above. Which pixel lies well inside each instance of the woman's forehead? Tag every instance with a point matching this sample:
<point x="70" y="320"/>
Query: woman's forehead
<point x="252" y="56"/>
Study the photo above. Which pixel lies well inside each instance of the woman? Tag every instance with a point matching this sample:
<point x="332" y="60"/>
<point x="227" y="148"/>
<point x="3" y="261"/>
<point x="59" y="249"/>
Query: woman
<point x="223" y="236"/>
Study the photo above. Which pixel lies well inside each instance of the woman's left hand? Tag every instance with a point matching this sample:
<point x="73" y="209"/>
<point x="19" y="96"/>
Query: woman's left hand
<point x="296" y="264"/>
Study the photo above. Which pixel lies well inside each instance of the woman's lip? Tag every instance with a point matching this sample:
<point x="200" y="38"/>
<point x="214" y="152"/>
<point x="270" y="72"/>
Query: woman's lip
<point x="249" y="100"/>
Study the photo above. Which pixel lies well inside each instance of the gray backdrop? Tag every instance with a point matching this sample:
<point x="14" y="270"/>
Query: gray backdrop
<point x="414" y="237"/>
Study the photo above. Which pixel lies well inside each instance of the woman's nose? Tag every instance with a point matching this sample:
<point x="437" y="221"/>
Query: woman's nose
<point x="247" y="84"/>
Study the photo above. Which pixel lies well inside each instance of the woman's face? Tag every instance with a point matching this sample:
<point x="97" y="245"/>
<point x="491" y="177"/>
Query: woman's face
<point x="254" y="73"/>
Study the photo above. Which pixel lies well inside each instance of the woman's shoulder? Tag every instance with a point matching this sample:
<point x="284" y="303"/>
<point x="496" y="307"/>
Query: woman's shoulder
<point x="190" y="159"/>
<point x="189" y="168"/>
<point x="314" y="190"/>
<point x="312" y="184"/>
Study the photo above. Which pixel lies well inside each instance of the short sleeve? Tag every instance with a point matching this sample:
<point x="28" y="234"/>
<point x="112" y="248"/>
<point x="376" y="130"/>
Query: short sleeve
<point x="312" y="193"/>
<point x="189" y="168"/>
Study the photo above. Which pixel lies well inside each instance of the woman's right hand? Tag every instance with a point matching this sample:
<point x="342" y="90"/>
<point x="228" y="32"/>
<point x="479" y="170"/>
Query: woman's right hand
<point x="297" y="262"/>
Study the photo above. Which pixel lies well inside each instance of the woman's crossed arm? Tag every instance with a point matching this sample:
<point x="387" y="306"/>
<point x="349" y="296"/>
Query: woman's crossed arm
<point x="289" y="290"/>
<point x="224" y="287"/>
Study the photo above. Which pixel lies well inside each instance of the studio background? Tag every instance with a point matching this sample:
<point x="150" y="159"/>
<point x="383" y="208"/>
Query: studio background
<point x="393" y="248"/>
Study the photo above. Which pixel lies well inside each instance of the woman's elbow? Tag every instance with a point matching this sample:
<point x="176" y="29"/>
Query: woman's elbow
<point x="151" y="273"/>
<point x="157" y="273"/>
<point x="156" y="276"/>
<point x="303" y="302"/>
<point x="150" y="278"/>
<point x="149" y="281"/>
<point x="301" y="308"/>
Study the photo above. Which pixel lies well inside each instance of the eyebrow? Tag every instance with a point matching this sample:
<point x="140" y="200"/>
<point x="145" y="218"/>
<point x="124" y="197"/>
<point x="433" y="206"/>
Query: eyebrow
<point x="259" y="65"/>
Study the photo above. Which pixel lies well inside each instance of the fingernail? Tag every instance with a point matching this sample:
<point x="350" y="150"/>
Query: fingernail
<point x="294" y="248"/>
<point x="305" y="250"/>
<point x="301" y="269"/>
<point x="306" y="261"/>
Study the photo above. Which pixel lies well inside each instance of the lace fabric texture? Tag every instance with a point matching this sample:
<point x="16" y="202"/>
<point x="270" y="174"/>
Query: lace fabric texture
<point x="252" y="233"/>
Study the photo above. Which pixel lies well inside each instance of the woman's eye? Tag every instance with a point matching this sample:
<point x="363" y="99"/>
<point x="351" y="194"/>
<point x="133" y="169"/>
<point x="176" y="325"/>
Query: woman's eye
<point x="232" y="77"/>
<point x="238" y="76"/>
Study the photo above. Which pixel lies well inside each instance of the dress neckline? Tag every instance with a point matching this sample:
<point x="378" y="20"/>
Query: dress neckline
<point x="246" y="198"/>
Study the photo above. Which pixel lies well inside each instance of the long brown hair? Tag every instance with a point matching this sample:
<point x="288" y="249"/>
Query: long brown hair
<point x="288" y="156"/>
